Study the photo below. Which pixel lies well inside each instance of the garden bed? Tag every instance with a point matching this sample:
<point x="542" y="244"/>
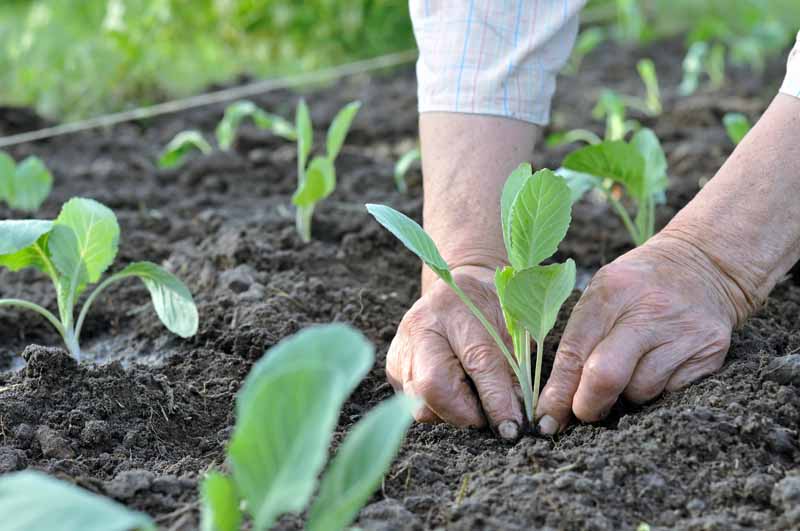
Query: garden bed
<point x="146" y="422"/>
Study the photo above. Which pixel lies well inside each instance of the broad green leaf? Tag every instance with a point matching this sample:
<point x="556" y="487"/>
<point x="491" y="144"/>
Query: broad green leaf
<point x="615" y="160"/>
<point x="360" y="464"/>
<point x="286" y="412"/>
<point x="179" y="148"/>
<point x="655" y="162"/>
<point x="23" y="243"/>
<point x="502" y="276"/>
<point x="340" y="125"/>
<point x="320" y="182"/>
<point x="227" y="127"/>
<point x="579" y="183"/>
<point x="277" y="124"/>
<point x="736" y="125"/>
<point x="31" y="186"/>
<point x="305" y="133"/>
<point x="402" y="166"/>
<point x="65" y="252"/>
<point x="171" y="298"/>
<point x="539" y="219"/>
<point x="96" y="235"/>
<point x="221" y="510"/>
<point x="7" y="169"/>
<point x="534" y="296"/>
<point x="32" y="501"/>
<point x="511" y="188"/>
<point x="413" y="237"/>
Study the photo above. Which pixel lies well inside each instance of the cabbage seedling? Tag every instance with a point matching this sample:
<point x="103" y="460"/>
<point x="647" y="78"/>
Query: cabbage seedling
<point x="26" y="185"/>
<point x="286" y="413"/>
<point x="316" y="180"/>
<point x="535" y="211"/>
<point x="179" y="148"/>
<point x="74" y="251"/>
<point x="639" y="166"/>
<point x="237" y="112"/>
<point x="736" y="125"/>
<point x="402" y="167"/>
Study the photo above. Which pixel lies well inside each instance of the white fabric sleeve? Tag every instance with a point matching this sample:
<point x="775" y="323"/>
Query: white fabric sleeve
<point x="791" y="83"/>
<point x="496" y="57"/>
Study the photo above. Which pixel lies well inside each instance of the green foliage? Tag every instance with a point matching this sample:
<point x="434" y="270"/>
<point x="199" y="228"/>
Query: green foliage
<point x="639" y="166"/>
<point x="179" y="148"/>
<point x="74" y="251"/>
<point x="31" y="500"/>
<point x="220" y="502"/>
<point x="236" y="112"/>
<point x="26" y="185"/>
<point x="588" y="39"/>
<point x="317" y="179"/>
<point x="736" y="125"/>
<point x="402" y="166"/>
<point x="535" y="215"/>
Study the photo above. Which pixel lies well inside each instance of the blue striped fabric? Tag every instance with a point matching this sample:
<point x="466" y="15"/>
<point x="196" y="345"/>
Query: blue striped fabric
<point x="496" y="57"/>
<point x="791" y="83"/>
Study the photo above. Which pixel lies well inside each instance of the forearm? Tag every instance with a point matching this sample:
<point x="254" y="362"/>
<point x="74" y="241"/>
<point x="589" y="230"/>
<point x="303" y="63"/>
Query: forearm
<point x="466" y="160"/>
<point x="746" y="220"/>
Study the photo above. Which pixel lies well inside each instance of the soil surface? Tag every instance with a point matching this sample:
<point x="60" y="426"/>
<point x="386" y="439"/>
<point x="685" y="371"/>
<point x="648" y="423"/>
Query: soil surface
<point x="148" y="412"/>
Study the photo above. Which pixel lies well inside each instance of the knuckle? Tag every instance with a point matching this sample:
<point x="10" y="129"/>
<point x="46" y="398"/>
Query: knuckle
<point x="480" y="358"/>
<point x="569" y="358"/>
<point x="602" y="378"/>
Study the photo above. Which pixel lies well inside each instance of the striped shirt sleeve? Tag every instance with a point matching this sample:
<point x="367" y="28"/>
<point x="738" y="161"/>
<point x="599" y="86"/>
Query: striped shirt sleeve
<point x="791" y="83"/>
<point x="495" y="57"/>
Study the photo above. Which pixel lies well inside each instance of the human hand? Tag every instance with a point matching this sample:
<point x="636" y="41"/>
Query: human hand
<point x="444" y="356"/>
<point x="655" y="319"/>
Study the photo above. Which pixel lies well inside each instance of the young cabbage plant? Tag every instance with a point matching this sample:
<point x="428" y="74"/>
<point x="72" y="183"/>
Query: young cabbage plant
<point x="587" y="41"/>
<point x="26" y="185"/>
<point x="536" y="212"/>
<point x="316" y="179"/>
<point x="402" y="167"/>
<point x="180" y="147"/>
<point x="736" y="125"/>
<point x="286" y="413"/>
<point x="638" y="166"/>
<point x="74" y="251"/>
<point x="237" y="112"/>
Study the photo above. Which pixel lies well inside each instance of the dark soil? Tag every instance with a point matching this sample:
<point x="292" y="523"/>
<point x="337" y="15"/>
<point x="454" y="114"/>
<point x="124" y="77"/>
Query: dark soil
<point x="145" y="421"/>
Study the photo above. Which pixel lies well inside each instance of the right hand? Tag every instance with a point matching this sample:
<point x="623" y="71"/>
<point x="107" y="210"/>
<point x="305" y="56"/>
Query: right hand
<point x="443" y="355"/>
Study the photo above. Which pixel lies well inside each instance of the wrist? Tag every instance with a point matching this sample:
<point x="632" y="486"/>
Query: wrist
<point x="476" y="261"/>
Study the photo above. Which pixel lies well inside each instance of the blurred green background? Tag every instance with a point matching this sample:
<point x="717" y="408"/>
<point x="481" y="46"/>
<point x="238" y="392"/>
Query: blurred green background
<point x="78" y="58"/>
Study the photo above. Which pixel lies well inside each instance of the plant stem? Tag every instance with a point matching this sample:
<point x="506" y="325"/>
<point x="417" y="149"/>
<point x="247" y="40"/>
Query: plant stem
<point x="626" y="219"/>
<point x="303" y="222"/>
<point x="529" y="392"/>
<point x="70" y="340"/>
<point x="537" y="375"/>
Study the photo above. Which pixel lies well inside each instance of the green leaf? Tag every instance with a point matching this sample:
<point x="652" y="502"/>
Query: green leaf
<point x="615" y="160"/>
<point x="277" y="124"/>
<point x="339" y="128"/>
<point x="286" y="412"/>
<point x="736" y="125"/>
<point x="402" y="166"/>
<point x="579" y="183"/>
<point x="320" y="182"/>
<point x="502" y="276"/>
<point x="511" y="189"/>
<point x="360" y="464"/>
<point x="539" y="219"/>
<point x="534" y="296"/>
<point x="227" y="127"/>
<point x="305" y="133"/>
<point x="655" y="162"/>
<point x="32" y="501"/>
<point x="413" y="237"/>
<point x="7" y="169"/>
<point x="23" y="243"/>
<point x="171" y="298"/>
<point x="179" y="148"/>
<point x="221" y="510"/>
<point x="31" y="185"/>
<point x="96" y="234"/>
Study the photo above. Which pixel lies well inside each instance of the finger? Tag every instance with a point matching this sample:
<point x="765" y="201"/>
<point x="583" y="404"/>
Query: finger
<point x="583" y="332"/>
<point x="702" y="365"/>
<point x="607" y="371"/>
<point x="435" y="376"/>
<point x="394" y="374"/>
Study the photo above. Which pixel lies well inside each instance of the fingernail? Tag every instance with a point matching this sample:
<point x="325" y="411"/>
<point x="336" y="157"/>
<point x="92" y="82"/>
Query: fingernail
<point x="548" y="425"/>
<point x="508" y="430"/>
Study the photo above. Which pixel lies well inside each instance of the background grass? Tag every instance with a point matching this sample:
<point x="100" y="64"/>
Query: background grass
<point x="78" y="58"/>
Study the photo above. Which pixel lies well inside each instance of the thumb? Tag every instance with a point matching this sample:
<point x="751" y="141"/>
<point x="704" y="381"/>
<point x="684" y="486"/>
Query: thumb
<point x="581" y="335"/>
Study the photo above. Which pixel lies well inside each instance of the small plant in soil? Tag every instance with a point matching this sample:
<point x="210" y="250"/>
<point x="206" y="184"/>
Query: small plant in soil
<point x="74" y="251"/>
<point x="639" y="167"/>
<point x="736" y="125"/>
<point x="180" y="147"/>
<point x="237" y="112"/>
<point x="286" y="413"/>
<point x="26" y="185"/>
<point x="316" y="179"/>
<point x="536" y="212"/>
<point x="402" y="166"/>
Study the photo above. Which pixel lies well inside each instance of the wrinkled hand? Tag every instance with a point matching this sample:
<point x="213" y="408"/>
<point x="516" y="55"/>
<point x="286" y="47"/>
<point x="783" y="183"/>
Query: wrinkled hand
<point x="443" y="355"/>
<point x="656" y="319"/>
